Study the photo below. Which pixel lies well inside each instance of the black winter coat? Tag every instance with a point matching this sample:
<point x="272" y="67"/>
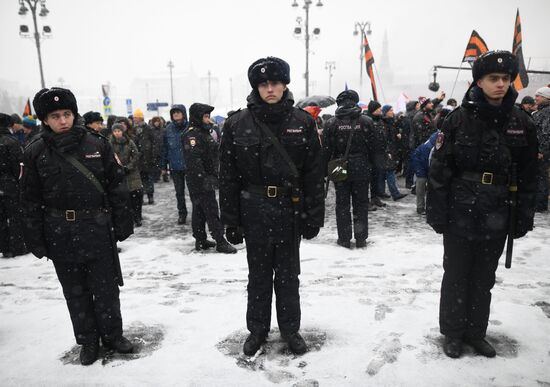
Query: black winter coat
<point x="200" y="151"/>
<point x="11" y="156"/>
<point x="50" y="183"/>
<point x="361" y="156"/>
<point x="146" y="141"/>
<point x="477" y="138"/>
<point x="422" y="128"/>
<point x="248" y="157"/>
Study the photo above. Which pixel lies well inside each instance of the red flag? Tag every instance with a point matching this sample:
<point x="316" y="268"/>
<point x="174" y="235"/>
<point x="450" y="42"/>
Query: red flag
<point x="27" y="111"/>
<point x="369" y="61"/>
<point x="522" y="80"/>
<point x="476" y="46"/>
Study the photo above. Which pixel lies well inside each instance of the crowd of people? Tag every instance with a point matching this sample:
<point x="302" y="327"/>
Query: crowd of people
<point x="79" y="187"/>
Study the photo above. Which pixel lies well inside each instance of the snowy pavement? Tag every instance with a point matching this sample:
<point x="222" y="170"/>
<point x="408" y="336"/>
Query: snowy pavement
<point x="369" y="316"/>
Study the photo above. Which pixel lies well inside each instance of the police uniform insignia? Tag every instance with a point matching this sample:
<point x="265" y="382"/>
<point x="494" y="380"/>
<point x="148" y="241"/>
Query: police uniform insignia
<point x="292" y="130"/>
<point x="56" y="98"/>
<point x="439" y="140"/>
<point x="192" y="141"/>
<point x="95" y="155"/>
<point x="262" y="70"/>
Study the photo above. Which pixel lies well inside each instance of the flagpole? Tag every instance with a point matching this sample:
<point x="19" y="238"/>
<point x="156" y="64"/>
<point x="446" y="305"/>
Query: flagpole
<point x="379" y="82"/>
<point x="456" y="79"/>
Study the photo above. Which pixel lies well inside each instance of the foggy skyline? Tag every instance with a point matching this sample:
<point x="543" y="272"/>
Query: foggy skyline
<point x="122" y="42"/>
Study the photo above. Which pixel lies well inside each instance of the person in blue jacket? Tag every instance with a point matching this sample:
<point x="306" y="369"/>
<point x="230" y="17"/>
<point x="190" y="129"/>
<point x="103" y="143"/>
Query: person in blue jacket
<point x="172" y="156"/>
<point x="420" y="160"/>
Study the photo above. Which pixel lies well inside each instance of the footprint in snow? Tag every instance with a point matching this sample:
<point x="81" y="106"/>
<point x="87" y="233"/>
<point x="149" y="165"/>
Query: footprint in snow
<point x="386" y="352"/>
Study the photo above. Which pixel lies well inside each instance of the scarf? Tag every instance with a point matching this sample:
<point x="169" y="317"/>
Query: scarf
<point x="270" y="113"/>
<point x="66" y="142"/>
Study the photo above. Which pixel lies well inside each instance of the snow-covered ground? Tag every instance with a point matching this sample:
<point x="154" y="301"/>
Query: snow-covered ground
<point x="370" y="316"/>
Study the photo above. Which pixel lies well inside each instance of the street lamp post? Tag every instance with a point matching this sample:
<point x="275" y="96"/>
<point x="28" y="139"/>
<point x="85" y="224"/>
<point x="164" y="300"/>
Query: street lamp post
<point x="360" y="26"/>
<point x="171" y="66"/>
<point x="330" y="65"/>
<point x="24" y="29"/>
<point x="307" y="36"/>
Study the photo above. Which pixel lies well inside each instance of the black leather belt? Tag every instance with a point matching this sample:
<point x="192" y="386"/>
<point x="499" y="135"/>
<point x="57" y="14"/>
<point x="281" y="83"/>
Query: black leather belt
<point x="73" y="215"/>
<point x="271" y="191"/>
<point x="484" y="178"/>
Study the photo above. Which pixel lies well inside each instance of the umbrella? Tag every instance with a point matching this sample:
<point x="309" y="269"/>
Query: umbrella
<point x="321" y="100"/>
<point x="218" y="119"/>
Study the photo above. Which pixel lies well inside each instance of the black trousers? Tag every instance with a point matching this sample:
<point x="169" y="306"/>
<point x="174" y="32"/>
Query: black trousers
<point x="357" y="192"/>
<point x="205" y="211"/>
<point x="11" y="231"/>
<point x="272" y="266"/>
<point x="92" y="297"/>
<point x="136" y="201"/>
<point x="178" y="177"/>
<point x="148" y="181"/>
<point x="469" y="276"/>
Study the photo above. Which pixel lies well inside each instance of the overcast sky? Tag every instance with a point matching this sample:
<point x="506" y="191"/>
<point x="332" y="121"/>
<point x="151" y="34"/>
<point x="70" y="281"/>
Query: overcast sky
<point x="118" y="41"/>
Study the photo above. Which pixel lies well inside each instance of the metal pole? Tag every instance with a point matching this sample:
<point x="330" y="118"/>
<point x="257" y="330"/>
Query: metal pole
<point x="361" y="48"/>
<point x="171" y="66"/>
<point x="37" y="40"/>
<point x="306" y="5"/>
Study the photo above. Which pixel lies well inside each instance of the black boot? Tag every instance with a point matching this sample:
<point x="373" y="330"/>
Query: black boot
<point x="295" y="343"/>
<point x="482" y="347"/>
<point x="182" y="219"/>
<point x="377" y="202"/>
<point x="88" y="353"/>
<point x="360" y="243"/>
<point x="399" y="197"/>
<point x="223" y="246"/>
<point x="383" y="195"/>
<point x="165" y="178"/>
<point x="204" y="244"/>
<point x="371" y="206"/>
<point x="137" y="223"/>
<point x="346" y="244"/>
<point x="7" y="254"/>
<point x="120" y="345"/>
<point x="253" y="343"/>
<point x="452" y="347"/>
<point x="150" y="199"/>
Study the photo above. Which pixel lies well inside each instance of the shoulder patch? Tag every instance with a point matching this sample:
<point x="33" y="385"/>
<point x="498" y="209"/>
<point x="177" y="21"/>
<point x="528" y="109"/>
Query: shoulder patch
<point x="192" y="141"/>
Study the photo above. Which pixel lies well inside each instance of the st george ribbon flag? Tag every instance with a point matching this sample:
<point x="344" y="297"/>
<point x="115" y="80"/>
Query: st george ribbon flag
<point x="27" y="110"/>
<point x="369" y="61"/>
<point x="476" y="46"/>
<point x="522" y="80"/>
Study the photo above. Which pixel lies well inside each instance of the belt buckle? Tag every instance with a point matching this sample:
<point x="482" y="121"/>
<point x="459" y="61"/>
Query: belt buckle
<point x="70" y="215"/>
<point x="487" y="178"/>
<point x="271" y="191"/>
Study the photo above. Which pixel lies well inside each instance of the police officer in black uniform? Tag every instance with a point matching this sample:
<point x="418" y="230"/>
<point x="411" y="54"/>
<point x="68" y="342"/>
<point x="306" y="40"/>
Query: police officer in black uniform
<point x="468" y="191"/>
<point x="68" y="219"/>
<point x="273" y="201"/>
<point x="202" y="160"/>
<point x="11" y="155"/>
<point x="338" y="129"/>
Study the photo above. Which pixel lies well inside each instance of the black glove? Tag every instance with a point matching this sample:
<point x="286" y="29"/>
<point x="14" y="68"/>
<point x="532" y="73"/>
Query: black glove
<point x="39" y="251"/>
<point x="309" y="232"/>
<point x="439" y="228"/>
<point x="234" y="235"/>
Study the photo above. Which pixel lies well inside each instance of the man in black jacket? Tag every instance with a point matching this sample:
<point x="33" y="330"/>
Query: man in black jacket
<point x="11" y="155"/>
<point x="338" y="129"/>
<point x="275" y="197"/>
<point x="201" y="157"/>
<point x="468" y="190"/>
<point x="75" y="208"/>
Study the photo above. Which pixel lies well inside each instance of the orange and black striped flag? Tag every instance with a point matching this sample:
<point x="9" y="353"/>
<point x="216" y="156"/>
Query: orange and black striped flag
<point x="522" y="80"/>
<point x="27" y="110"/>
<point x="369" y="61"/>
<point x="476" y="46"/>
